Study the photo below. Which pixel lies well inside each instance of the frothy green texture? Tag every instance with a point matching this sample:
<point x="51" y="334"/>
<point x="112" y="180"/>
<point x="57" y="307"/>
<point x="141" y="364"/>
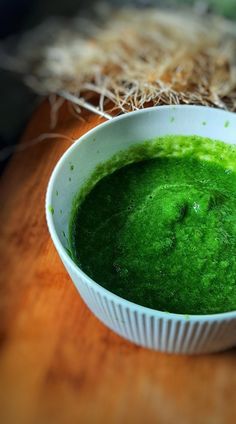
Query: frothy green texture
<point x="161" y="229"/>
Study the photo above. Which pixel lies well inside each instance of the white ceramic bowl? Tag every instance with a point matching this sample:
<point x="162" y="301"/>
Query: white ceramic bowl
<point x="146" y="327"/>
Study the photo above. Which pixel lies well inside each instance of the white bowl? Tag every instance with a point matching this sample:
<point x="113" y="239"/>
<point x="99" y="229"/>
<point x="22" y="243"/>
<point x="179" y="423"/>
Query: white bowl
<point x="146" y="327"/>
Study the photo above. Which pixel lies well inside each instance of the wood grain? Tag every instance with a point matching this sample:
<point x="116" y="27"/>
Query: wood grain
<point x="58" y="363"/>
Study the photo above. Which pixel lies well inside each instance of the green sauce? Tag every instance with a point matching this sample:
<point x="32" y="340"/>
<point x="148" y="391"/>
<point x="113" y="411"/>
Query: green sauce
<point x="157" y="225"/>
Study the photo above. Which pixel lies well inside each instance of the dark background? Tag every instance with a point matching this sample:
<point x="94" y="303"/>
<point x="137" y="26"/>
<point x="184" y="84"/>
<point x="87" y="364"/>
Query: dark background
<point x="16" y="16"/>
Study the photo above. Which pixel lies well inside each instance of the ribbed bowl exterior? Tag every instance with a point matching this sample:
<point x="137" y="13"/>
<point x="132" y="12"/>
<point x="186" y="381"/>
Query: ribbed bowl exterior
<point x="156" y="330"/>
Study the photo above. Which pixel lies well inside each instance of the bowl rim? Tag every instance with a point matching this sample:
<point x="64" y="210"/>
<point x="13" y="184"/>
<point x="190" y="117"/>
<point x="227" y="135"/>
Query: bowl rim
<point x="77" y="270"/>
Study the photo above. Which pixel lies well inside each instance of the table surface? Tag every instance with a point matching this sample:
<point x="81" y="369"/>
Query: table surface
<point x="58" y="363"/>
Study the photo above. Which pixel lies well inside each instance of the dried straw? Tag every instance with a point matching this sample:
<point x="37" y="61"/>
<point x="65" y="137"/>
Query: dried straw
<point x="132" y="58"/>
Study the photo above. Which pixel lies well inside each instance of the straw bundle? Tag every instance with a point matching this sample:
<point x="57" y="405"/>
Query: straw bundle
<point x="132" y="58"/>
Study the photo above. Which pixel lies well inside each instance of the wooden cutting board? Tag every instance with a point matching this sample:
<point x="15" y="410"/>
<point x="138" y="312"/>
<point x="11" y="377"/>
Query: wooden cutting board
<point x="58" y="363"/>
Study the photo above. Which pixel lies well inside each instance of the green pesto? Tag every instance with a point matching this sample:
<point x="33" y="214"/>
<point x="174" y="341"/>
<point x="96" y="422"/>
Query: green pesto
<point x="51" y="209"/>
<point x="157" y="225"/>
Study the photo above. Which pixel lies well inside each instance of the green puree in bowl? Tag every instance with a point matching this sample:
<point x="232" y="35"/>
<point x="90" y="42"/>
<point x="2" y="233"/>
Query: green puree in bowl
<point x="161" y="231"/>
